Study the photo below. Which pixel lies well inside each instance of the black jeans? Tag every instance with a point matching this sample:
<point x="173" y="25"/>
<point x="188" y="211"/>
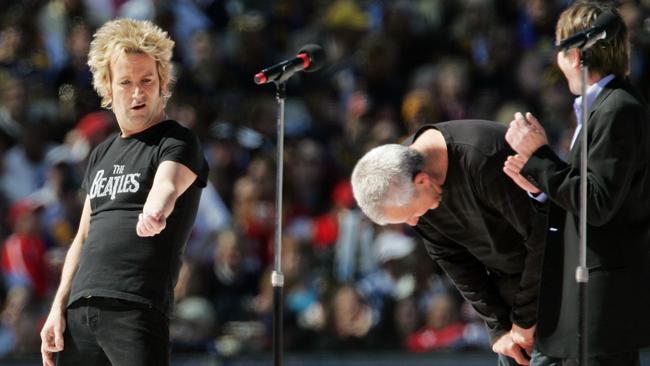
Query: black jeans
<point x="105" y="331"/>
<point x="618" y="359"/>
<point x="539" y="359"/>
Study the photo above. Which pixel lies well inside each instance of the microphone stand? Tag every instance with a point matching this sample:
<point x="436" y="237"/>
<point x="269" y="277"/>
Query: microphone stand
<point x="277" y="278"/>
<point x="582" y="273"/>
<point x="315" y="54"/>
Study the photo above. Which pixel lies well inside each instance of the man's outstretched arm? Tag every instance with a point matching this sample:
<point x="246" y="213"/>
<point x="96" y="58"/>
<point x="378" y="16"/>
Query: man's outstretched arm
<point x="171" y="180"/>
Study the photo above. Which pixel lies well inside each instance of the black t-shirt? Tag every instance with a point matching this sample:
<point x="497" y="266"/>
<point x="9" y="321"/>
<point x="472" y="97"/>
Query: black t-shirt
<point x="115" y="262"/>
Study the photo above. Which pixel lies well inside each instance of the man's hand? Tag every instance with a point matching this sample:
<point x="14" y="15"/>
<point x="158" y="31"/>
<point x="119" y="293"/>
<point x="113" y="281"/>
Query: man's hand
<point x="150" y="223"/>
<point x="512" y="167"/>
<point x="526" y="135"/>
<point x="525" y="338"/>
<point x="506" y="346"/>
<point x="52" y="336"/>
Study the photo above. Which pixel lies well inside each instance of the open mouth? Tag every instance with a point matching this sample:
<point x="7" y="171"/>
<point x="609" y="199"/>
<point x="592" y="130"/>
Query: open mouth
<point x="138" y="107"/>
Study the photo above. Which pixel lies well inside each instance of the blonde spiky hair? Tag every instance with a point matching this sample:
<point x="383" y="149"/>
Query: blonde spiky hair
<point x="129" y="36"/>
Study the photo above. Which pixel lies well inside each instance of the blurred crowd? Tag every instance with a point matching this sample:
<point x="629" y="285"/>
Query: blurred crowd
<point x="391" y="67"/>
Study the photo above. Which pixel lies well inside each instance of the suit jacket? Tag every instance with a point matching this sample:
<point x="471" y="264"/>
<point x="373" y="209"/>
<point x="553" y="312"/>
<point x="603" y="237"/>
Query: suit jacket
<point x="618" y="233"/>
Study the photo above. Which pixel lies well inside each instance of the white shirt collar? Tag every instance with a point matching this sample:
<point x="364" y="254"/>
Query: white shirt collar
<point x="592" y="93"/>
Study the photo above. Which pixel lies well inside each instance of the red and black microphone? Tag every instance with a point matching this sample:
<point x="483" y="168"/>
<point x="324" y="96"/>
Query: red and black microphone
<point x="310" y="58"/>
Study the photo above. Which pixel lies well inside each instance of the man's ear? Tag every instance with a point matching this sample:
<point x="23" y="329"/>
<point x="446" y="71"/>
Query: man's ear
<point x="421" y="178"/>
<point x="163" y="87"/>
<point x="574" y="55"/>
<point x="109" y="92"/>
<point x="109" y="97"/>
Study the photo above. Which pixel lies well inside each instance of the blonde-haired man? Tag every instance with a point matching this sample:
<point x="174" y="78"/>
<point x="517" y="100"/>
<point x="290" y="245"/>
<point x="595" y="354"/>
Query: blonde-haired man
<point x="142" y="191"/>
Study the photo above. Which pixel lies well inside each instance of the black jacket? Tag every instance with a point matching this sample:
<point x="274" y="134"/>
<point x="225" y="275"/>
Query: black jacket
<point x="618" y="233"/>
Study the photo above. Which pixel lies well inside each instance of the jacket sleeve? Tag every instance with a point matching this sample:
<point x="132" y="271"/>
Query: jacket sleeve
<point x="615" y="150"/>
<point x="471" y="279"/>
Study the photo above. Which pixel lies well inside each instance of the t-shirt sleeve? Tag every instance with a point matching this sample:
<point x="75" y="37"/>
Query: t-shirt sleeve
<point x="182" y="146"/>
<point x="86" y="183"/>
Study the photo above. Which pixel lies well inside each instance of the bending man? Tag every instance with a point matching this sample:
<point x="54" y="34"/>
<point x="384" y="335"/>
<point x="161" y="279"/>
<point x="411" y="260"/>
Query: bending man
<point x="476" y="223"/>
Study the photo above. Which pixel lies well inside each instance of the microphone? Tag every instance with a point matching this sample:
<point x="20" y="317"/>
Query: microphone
<point x="604" y="27"/>
<point x="310" y="58"/>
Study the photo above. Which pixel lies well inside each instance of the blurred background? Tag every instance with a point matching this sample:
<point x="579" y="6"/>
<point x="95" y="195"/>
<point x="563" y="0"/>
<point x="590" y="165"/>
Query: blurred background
<point x="367" y="294"/>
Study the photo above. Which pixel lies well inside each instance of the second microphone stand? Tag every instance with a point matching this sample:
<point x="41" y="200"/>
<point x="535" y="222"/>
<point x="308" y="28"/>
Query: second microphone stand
<point x="582" y="273"/>
<point x="277" y="278"/>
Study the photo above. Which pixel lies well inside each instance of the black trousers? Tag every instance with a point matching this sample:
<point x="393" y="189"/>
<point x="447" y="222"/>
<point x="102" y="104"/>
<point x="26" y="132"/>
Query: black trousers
<point x="113" y="332"/>
<point x="539" y="359"/>
<point x="617" y="359"/>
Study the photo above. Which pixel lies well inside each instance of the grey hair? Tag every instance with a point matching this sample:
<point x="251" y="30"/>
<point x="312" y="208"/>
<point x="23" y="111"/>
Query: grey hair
<point x="384" y="177"/>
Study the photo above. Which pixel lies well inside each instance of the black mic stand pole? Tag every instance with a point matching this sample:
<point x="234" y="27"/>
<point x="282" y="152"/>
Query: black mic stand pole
<point x="582" y="273"/>
<point x="277" y="278"/>
<point x="316" y="57"/>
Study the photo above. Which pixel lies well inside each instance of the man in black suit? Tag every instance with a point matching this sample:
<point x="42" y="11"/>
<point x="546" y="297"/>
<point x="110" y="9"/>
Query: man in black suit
<point x="618" y="204"/>
<point x="446" y="182"/>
